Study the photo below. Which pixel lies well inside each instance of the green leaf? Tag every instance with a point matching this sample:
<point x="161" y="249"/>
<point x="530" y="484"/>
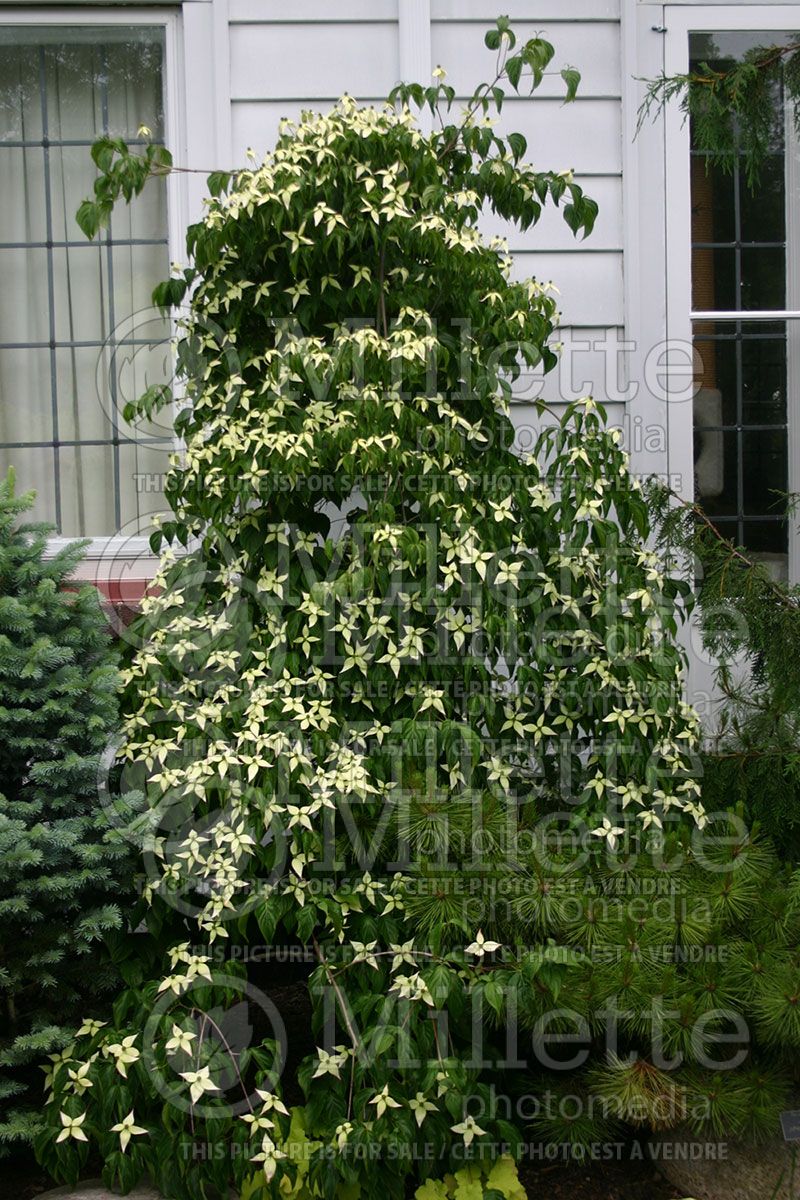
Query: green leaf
<point x="495" y="995"/>
<point x="572" y="79"/>
<point x="306" y="921"/>
<point x="162" y="294"/>
<point x="103" y="155"/>
<point x="514" y="71"/>
<point x="518" y="145"/>
<point x="266" y="915"/>
<point x="156" y="397"/>
<point x="88" y="218"/>
<point x="160" y="157"/>
<point x="431" y="1189"/>
<point x="218" y="182"/>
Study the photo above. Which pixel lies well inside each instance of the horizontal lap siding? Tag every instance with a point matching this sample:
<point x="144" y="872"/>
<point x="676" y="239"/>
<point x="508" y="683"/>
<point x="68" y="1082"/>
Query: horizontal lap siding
<point x="587" y="357"/>
<point x="524" y="10"/>
<point x="307" y="62"/>
<point x="593" y="48"/>
<point x="286" y="59"/>
<point x="584" y="136"/>
<point x="589" y="286"/>
<point x="253" y="12"/>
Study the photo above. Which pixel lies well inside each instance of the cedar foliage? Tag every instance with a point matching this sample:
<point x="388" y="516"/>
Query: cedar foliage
<point x="733" y="103"/>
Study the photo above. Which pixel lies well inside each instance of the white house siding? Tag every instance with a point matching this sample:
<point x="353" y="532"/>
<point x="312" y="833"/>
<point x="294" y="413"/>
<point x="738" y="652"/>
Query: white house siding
<point x="287" y="58"/>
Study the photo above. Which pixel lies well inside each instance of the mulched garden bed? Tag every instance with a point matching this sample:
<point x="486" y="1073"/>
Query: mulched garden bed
<point x="624" y="1180"/>
<point x="629" y="1178"/>
<point x="636" y="1180"/>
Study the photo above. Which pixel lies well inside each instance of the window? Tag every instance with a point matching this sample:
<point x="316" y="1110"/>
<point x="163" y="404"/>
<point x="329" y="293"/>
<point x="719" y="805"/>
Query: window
<point x="744" y="247"/>
<point x="78" y="338"/>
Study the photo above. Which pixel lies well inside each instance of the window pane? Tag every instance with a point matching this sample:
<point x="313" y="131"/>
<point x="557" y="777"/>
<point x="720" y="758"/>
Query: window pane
<point x="740" y="277"/>
<point x="715" y="375"/>
<point x="143" y="361"/>
<point x="762" y="278"/>
<point x="119" y="279"/>
<point x="716" y="470"/>
<point x="88" y="479"/>
<point x="136" y="67"/>
<point x="20" y="101"/>
<point x="144" y="468"/>
<point x="746" y="365"/>
<point x="82" y="413"/>
<point x="764" y="481"/>
<point x="23" y="296"/>
<point x="768" y="538"/>
<point x="717" y="190"/>
<point x="60" y="88"/>
<point x="22" y="197"/>
<point x="764" y="381"/>
<point x="740" y="422"/>
<point x="25" y="396"/>
<point x="763" y="211"/>
<point x="725" y="275"/>
<point x="35" y="471"/>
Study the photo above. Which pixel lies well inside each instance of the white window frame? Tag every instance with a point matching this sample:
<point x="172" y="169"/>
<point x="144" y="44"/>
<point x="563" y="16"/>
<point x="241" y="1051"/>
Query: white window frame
<point x="115" y="549"/>
<point x="679" y="21"/>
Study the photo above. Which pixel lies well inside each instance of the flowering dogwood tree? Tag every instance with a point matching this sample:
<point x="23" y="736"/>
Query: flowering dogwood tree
<point x="381" y="648"/>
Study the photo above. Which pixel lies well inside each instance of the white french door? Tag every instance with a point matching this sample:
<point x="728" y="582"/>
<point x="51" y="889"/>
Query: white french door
<point x="733" y="290"/>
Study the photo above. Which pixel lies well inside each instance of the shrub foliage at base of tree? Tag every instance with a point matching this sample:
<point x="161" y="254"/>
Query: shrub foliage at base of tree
<point x="62" y="873"/>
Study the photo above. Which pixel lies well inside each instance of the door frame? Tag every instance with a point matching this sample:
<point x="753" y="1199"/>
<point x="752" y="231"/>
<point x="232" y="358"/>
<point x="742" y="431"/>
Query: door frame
<point x="679" y="21"/>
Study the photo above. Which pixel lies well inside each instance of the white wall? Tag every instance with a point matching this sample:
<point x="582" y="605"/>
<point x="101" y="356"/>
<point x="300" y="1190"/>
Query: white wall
<point x="286" y="58"/>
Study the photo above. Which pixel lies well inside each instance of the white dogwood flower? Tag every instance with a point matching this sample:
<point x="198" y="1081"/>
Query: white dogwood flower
<point x="469" y="1130"/>
<point x="127" y="1128"/>
<point x="200" y="1082"/>
<point x="72" y="1128"/>
<point x="481" y="946"/>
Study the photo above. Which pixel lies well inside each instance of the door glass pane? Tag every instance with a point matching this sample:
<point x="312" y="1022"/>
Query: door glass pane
<point x="741" y="240"/>
<point x="741" y="432"/>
